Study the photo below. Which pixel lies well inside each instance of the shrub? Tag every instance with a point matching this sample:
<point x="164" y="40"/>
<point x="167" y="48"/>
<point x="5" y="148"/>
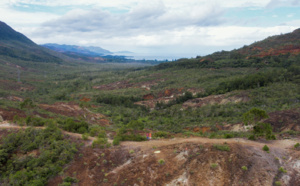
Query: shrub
<point x="254" y="115"/>
<point x="85" y="136"/>
<point x="281" y="169"/>
<point x="266" y="148"/>
<point x="278" y="183"/>
<point x="161" y="162"/>
<point x="161" y="134"/>
<point x="227" y="136"/>
<point x="27" y="103"/>
<point x="133" y="137"/>
<point x="95" y="130"/>
<point x="74" y="126"/>
<point x="297" y="145"/>
<point x="214" y="165"/>
<point x="244" y="168"/>
<point x="100" y="143"/>
<point x="117" y="140"/>
<point x="135" y="125"/>
<point x="221" y="147"/>
<point x="264" y="129"/>
<point x="252" y="137"/>
<point x="70" y="180"/>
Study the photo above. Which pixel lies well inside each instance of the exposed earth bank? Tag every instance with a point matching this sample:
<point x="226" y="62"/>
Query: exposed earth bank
<point x="183" y="161"/>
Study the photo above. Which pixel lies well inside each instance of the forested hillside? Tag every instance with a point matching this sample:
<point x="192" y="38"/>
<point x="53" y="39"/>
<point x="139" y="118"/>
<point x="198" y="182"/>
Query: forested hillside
<point x="50" y="109"/>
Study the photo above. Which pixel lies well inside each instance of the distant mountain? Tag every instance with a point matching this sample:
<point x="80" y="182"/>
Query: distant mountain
<point x="15" y="45"/>
<point x="78" y="50"/>
<point x="280" y="50"/>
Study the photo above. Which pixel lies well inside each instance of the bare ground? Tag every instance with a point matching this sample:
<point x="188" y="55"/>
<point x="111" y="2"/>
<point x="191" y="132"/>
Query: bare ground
<point x="184" y="161"/>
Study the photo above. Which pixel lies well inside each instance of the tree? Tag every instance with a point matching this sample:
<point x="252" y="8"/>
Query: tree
<point x="254" y="115"/>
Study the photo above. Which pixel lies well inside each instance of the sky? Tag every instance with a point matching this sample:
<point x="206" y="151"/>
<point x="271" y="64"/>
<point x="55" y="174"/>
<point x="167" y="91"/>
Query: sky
<point x="184" y="28"/>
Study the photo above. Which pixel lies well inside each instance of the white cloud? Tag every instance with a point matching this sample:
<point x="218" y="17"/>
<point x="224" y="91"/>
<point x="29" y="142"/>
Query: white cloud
<point x="196" y="26"/>
<point x="279" y="3"/>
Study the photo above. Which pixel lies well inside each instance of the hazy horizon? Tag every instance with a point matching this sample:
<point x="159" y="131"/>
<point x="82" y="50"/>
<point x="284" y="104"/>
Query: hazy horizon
<point x="182" y="27"/>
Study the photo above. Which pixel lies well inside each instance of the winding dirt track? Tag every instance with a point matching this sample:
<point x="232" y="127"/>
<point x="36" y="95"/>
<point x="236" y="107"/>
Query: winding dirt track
<point x="282" y="144"/>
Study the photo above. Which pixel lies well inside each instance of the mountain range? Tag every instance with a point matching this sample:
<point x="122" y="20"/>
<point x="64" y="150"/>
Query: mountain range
<point x="17" y="46"/>
<point x="81" y="50"/>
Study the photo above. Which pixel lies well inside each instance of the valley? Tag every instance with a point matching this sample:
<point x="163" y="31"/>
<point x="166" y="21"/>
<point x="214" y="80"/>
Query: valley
<point x="67" y="120"/>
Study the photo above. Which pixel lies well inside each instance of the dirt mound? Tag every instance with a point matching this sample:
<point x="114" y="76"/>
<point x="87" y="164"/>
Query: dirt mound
<point x="193" y="161"/>
<point x="74" y="110"/>
<point x="216" y="99"/>
<point x="285" y="120"/>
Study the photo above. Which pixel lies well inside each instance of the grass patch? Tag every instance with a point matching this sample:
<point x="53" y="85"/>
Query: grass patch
<point x="221" y="147"/>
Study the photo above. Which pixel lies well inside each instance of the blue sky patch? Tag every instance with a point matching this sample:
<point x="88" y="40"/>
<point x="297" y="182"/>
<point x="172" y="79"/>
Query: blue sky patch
<point x="30" y="8"/>
<point x="261" y="17"/>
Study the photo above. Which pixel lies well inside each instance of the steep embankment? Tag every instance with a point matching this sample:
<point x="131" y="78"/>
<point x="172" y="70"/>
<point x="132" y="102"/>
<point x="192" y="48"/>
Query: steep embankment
<point x="184" y="161"/>
<point x="191" y="161"/>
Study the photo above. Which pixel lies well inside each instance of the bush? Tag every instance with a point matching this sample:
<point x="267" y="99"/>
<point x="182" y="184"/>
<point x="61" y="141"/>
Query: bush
<point x="214" y="165"/>
<point x="244" y="168"/>
<point x="74" y="126"/>
<point x="252" y="137"/>
<point x="221" y="147"/>
<point x="100" y="143"/>
<point x="70" y="180"/>
<point x="264" y="129"/>
<point x="161" y="134"/>
<point x="133" y="137"/>
<point x="281" y="169"/>
<point x="254" y="115"/>
<point x="27" y="103"/>
<point x="95" y="130"/>
<point x="266" y="148"/>
<point x="117" y="140"/>
<point x="161" y="162"/>
<point x="85" y="136"/>
<point x="227" y="136"/>
<point x="135" y="125"/>
<point x="297" y="145"/>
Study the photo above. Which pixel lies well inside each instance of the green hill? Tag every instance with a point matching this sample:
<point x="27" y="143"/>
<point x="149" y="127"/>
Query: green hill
<point x="15" y="45"/>
<point x="275" y="51"/>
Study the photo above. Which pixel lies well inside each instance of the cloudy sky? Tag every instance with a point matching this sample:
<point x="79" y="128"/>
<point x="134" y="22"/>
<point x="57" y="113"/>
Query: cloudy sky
<point x="158" y="27"/>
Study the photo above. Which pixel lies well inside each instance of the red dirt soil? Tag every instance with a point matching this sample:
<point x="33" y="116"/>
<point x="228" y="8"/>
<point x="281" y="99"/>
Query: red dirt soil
<point x="191" y="161"/>
<point x="184" y="161"/>
<point x="285" y="120"/>
<point x="9" y="113"/>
